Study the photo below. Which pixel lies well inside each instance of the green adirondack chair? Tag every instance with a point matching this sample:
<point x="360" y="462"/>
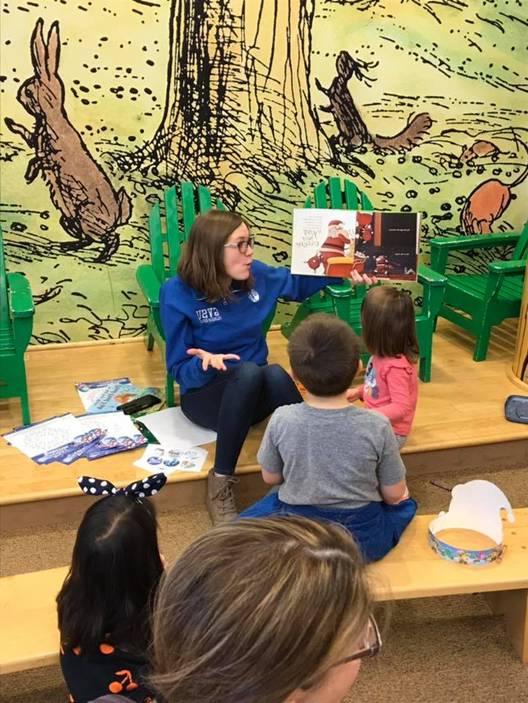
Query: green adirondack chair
<point x="477" y="302"/>
<point x="16" y="323"/>
<point x="345" y="300"/>
<point x="166" y="236"/>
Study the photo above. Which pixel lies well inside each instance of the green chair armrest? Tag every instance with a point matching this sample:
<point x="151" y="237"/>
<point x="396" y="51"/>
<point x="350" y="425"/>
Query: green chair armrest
<point x="340" y="290"/>
<point x="479" y="241"/>
<point x="507" y="267"/>
<point x="149" y="283"/>
<point x="427" y="276"/>
<point x="20" y="299"/>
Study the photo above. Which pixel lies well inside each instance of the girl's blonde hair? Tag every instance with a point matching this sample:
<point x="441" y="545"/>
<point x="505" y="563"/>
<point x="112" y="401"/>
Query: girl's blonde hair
<point x="389" y="324"/>
<point x="257" y="608"/>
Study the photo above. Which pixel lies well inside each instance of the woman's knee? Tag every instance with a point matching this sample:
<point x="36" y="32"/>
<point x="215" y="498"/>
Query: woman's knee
<point x="249" y="373"/>
<point x="274" y="373"/>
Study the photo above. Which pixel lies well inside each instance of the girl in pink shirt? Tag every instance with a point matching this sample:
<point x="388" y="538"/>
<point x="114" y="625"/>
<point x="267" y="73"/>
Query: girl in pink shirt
<point x="391" y="379"/>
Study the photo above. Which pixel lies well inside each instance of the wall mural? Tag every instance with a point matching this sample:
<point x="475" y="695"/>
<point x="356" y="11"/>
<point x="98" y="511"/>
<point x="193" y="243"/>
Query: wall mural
<point x="421" y="103"/>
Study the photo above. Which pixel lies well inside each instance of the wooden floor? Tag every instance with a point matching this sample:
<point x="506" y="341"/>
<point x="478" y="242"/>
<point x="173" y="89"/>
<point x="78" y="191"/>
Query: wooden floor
<point x="461" y="407"/>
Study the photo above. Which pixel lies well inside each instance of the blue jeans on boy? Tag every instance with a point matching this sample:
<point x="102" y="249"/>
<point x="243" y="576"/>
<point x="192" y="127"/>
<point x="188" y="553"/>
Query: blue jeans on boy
<point x="376" y="527"/>
<point x="236" y="399"/>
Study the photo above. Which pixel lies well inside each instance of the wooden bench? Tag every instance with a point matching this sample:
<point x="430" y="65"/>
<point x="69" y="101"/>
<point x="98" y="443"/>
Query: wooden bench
<point x="411" y="570"/>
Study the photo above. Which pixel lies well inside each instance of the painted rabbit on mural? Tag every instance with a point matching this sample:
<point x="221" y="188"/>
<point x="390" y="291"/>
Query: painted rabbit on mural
<point x="91" y="210"/>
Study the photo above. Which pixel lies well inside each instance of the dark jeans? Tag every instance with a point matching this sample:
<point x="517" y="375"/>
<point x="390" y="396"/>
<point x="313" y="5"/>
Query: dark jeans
<point x="377" y="527"/>
<point x="236" y="399"/>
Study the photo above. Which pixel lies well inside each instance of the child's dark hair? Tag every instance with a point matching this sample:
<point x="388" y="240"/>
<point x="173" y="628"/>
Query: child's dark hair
<point x="389" y="325"/>
<point x="115" y="570"/>
<point x="324" y="355"/>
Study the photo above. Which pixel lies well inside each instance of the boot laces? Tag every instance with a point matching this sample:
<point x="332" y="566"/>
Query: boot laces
<point x="226" y="496"/>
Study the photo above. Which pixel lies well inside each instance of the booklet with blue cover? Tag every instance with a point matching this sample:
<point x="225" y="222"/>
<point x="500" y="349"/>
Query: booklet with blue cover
<point x="106" y="396"/>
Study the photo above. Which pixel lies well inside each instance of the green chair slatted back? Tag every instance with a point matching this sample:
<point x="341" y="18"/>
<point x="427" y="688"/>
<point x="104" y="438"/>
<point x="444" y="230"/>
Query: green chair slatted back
<point x="4" y="307"/>
<point x="16" y="324"/>
<point x="168" y="231"/>
<point x="157" y="242"/>
<point x="174" y="233"/>
<point x="345" y="300"/>
<point x="335" y="194"/>
<point x="520" y="252"/>
<point x="478" y="302"/>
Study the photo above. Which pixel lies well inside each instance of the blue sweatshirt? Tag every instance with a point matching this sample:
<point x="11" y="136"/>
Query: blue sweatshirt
<point x="225" y="327"/>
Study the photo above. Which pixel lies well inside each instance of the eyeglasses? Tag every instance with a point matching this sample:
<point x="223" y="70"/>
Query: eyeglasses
<point x="371" y="646"/>
<point x="242" y="245"/>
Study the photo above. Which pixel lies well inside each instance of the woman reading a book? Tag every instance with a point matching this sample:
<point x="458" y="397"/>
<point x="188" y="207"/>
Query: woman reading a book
<point x="214" y="314"/>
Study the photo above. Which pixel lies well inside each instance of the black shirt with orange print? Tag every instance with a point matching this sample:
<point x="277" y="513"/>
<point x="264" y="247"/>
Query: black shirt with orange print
<point x="107" y="670"/>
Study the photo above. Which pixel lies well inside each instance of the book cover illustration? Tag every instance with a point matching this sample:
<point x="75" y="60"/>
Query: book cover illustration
<point x="106" y="396"/>
<point x="319" y="237"/>
<point x="383" y="244"/>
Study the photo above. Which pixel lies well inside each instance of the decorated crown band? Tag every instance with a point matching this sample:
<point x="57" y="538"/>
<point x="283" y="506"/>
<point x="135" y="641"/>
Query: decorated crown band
<point x="475" y="506"/>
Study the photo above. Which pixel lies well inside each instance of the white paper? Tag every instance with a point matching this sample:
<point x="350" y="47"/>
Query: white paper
<point x="475" y="505"/>
<point x="45" y="436"/>
<point x="172" y="429"/>
<point x="158" y="458"/>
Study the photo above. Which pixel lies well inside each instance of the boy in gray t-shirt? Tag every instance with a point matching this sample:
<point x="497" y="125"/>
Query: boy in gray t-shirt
<point x="332" y="460"/>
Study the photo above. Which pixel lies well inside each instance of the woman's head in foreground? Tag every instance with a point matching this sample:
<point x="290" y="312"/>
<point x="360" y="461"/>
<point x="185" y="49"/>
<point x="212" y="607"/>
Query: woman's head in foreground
<point x="263" y="611"/>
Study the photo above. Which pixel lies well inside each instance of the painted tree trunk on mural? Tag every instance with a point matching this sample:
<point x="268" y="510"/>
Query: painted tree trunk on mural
<point x="238" y="95"/>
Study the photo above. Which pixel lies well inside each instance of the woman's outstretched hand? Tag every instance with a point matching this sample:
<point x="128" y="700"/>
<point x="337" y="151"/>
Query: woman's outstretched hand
<point x="358" y="279"/>
<point x="215" y="361"/>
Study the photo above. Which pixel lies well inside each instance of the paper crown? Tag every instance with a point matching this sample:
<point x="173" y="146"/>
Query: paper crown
<point x="475" y="506"/>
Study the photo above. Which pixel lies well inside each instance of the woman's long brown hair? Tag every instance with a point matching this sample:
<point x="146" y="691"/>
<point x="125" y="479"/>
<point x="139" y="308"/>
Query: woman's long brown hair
<point x="202" y="261"/>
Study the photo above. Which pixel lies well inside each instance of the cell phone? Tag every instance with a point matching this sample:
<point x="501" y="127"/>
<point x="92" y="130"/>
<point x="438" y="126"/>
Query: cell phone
<point x="138" y="404"/>
<point x="516" y="408"/>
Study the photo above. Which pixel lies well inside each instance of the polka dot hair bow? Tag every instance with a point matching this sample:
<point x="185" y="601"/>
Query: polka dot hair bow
<point x="138" y="489"/>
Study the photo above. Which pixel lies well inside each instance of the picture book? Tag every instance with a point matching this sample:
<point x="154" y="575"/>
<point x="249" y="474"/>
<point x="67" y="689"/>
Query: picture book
<point x="335" y="242"/>
<point x="106" y="396"/>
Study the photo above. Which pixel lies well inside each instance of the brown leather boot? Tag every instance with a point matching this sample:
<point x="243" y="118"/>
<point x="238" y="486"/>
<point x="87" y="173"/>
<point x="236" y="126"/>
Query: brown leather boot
<point x="221" y="498"/>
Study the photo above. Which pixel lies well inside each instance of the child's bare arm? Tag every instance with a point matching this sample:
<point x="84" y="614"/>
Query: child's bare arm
<point x="392" y="483"/>
<point x="269" y="457"/>
<point x="272" y="478"/>
<point x="354" y="394"/>
<point x="395" y="494"/>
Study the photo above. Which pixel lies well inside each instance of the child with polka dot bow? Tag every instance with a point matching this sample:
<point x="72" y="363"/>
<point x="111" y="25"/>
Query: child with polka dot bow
<point x="105" y="602"/>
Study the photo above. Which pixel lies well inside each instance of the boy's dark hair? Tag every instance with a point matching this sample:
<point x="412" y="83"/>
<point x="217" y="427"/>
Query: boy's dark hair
<point x="324" y="355"/>
<point x="115" y="570"/>
<point x="389" y="324"/>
